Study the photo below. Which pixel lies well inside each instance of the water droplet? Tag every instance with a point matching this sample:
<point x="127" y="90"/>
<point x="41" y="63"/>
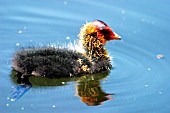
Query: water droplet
<point x="53" y="106"/>
<point x="149" y="69"/>
<point x="159" y="56"/>
<point x="146" y="85"/>
<point x="63" y="82"/>
<point x="12" y="100"/>
<point x="7" y="105"/>
<point x="19" y="31"/>
<point x="17" y="44"/>
<point x="67" y="37"/>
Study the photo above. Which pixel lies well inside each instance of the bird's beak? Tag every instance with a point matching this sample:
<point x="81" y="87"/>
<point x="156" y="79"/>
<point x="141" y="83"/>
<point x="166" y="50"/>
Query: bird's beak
<point x="112" y="35"/>
<point x="116" y="37"/>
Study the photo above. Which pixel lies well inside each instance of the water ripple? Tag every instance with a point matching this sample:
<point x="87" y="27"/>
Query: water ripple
<point x="137" y="74"/>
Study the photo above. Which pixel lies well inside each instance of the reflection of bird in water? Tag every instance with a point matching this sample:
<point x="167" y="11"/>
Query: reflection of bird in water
<point x="63" y="62"/>
<point x="88" y="88"/>
<point x="90" y="91"/>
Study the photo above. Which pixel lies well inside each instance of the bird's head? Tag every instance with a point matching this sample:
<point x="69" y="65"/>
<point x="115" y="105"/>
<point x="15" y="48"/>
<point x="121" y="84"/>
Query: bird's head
<point x="100" y="30"/>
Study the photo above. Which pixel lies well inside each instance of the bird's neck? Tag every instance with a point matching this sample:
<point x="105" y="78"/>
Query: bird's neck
<point x="94" y="49"/>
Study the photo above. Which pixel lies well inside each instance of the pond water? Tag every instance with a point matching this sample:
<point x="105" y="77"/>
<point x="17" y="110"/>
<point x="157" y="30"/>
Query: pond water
<point x="139" y="81"/>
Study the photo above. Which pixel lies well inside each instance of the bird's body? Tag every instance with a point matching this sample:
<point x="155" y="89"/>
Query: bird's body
<point x="64" y="62"/>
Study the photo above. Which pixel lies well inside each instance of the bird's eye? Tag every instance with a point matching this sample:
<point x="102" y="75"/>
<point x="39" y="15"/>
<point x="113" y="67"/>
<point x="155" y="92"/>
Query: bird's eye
<point x="104" y="31"/>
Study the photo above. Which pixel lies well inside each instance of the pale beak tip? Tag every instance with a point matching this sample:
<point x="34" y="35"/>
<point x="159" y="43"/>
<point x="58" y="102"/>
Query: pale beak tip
<point x="117" y="37"/>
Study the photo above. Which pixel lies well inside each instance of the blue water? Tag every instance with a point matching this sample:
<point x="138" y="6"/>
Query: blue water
<point x="139" y="82"/>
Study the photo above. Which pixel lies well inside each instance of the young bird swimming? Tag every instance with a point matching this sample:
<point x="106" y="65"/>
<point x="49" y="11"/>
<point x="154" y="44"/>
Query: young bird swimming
<point x="63" y="62"/>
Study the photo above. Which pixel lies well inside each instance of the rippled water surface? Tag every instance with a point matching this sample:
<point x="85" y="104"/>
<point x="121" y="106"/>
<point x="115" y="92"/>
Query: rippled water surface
<point x="139" y="82"/>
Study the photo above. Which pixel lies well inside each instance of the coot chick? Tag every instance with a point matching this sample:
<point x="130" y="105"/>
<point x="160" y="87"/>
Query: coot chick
<point x="64" y="62"/>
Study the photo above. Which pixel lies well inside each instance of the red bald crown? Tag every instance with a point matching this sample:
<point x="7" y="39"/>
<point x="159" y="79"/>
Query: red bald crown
<point x="105" y="30"/>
